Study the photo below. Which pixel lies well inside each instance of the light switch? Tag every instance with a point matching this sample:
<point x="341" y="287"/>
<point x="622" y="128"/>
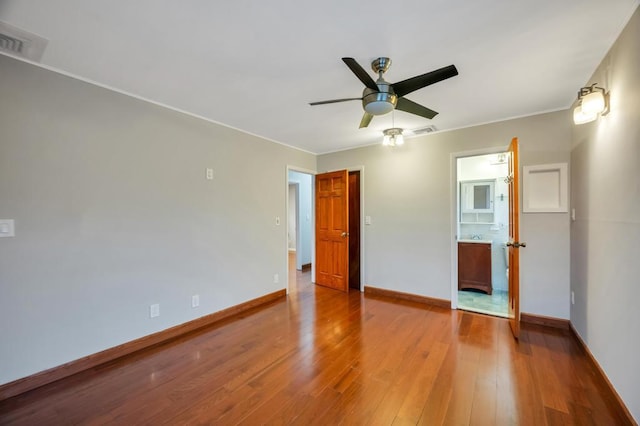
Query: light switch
<point x="277" y="220"/>
<point x="154" y="310"/>
<point x="7" y="228"/>
<point x="367" y="220"/>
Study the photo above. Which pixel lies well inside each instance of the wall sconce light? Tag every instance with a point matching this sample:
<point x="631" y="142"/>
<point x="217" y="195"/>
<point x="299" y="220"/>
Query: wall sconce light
<point x="592" y="101"/>
<point x="392" y="137"/>
<point x="498" y="159"/>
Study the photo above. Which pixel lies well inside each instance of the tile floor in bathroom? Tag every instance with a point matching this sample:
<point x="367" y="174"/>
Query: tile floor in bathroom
<point x="477" y="301"/>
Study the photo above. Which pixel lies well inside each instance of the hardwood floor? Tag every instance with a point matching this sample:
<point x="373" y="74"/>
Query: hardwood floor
<point x="326" y="357"/>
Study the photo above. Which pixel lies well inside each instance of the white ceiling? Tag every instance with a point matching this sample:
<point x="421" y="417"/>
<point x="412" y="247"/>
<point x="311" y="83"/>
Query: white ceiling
<point x="255" y="65"/>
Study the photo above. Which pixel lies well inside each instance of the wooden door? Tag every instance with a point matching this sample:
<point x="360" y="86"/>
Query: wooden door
<point x="514" y="238"/>
<point x="332" y="230"/>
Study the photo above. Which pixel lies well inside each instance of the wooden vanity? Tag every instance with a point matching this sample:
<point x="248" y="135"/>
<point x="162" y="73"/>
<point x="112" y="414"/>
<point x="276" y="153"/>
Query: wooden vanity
<point x="474" y="265"/>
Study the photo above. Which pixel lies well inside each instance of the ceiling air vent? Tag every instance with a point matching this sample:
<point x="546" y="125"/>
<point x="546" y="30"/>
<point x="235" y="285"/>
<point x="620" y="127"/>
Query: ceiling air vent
<point x="21" y="43"/>
<point x="422" y="131"/>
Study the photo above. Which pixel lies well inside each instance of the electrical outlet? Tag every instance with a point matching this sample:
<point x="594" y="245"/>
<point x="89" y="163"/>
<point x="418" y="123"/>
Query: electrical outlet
<point x="154" y="310"/>
<point x="195" y="301"/>
<point x="209" y="174"/>
<point x="276" y="278"/>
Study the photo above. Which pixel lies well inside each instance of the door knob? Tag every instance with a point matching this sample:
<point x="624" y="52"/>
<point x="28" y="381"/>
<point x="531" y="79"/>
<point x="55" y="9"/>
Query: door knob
<point x="516" y="244"/>
<point x="344" y="234"/>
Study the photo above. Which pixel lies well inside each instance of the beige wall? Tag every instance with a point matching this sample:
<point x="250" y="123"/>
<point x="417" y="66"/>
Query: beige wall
<point x="113" y="213"/>
<point x="409" y="194"/>
<point x="605" y="237"/>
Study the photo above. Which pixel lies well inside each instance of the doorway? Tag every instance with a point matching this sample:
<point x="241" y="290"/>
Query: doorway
<point x="300" y="234"/>
<point x="354" y="230"/>
<point x="482" y="231"/>
<point x="338" y="206"/>
<point x="301" y="220"/>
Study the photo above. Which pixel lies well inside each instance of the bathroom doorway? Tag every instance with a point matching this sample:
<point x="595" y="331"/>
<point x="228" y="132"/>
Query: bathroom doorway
<point x="482" y="231"/>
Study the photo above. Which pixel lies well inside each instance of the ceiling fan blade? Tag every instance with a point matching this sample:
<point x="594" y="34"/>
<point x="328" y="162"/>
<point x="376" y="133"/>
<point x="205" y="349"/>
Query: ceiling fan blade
<point x="333" y="101"/>
<point x="412" y="84"/>
<point x="406" y="105"/>
<point x="366" y="119"/>
<point x="362" y="75"/>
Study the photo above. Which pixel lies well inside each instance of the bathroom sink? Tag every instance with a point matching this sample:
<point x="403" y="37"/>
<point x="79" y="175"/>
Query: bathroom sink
<point x="469" y="240"/>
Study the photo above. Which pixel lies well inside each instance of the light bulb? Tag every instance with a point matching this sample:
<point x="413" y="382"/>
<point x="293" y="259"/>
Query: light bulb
<point x="593" y="103"/>
<point x="581" y="117"/>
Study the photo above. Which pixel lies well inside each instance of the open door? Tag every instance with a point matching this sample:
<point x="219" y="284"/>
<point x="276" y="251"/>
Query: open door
<point x="332" y="230"/>
<point x="514" y="243"/>
<point x="354" y="230"/>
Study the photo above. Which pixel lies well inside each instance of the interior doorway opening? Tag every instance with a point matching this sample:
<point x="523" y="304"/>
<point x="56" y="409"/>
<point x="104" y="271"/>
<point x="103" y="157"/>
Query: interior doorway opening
<point x="300" y="219"/>
<point x="302" y="223"/>
<point x="355" y="218"/>
<point x="338" y="206"/>
<point x="482" y="231"/>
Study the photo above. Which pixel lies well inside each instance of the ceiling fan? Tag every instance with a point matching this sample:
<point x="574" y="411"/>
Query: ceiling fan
<point x="381" y="97"/>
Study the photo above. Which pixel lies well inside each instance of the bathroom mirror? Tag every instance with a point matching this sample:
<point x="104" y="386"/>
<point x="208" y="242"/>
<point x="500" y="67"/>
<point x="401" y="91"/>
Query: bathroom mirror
<point x="477" y="196"/>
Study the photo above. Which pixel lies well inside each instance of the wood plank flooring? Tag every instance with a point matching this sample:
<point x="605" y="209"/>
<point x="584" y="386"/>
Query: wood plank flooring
<point x="325" y="357"/>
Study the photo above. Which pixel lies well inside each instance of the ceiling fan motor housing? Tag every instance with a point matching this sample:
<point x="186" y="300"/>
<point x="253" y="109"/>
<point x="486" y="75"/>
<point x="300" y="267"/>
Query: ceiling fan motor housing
<point x="379" y="102"/>
<point x="384" y="100"/>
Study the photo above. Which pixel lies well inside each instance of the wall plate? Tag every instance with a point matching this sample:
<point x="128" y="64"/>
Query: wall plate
<point x="7" y="228"/>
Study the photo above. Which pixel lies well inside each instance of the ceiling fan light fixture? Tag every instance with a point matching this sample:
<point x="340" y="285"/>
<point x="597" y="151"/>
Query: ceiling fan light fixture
<point x="379" y="103"/>
<point x="392" y="137"/>
<point x="379" y="107"/>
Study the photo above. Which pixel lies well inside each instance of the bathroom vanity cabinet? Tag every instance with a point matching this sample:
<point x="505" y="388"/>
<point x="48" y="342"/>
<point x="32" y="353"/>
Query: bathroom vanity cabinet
<point x="474" y="266"/>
